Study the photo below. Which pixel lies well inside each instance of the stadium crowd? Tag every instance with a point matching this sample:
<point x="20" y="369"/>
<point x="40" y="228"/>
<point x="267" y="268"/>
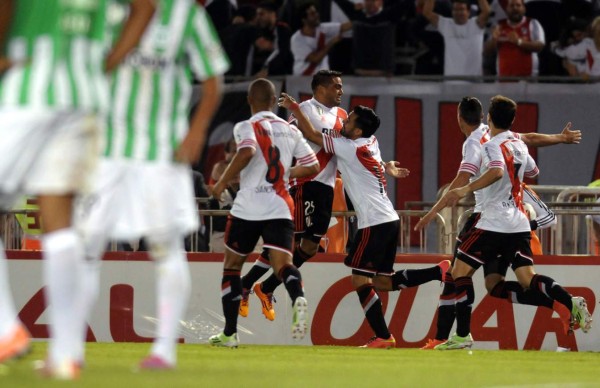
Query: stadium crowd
<point x="398" y="37"/>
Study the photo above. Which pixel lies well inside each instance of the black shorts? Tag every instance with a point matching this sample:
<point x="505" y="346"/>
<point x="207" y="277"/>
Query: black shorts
<point x="499" y="267"/>
<point x="483" y="247"/>
<point x="241" y="235"/>
<point x="373" y="250"/>
<point x="470" y="224"/>
<point x="313" y="202"/>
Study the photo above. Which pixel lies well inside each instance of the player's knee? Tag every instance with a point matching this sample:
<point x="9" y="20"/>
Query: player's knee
<point x="309" y="247"/>
<point x="491" y="281"/>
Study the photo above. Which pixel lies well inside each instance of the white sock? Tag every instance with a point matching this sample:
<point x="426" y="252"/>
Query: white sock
<point x="173" y="292"/>
<point x="85" y="301"/>
<point x="88" y="292"/>
<point x="63" y="257"/>
<point x="8" y="313"/>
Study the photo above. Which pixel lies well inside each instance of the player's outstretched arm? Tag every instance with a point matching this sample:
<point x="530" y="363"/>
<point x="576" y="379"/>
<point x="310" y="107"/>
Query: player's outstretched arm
<point x="567" y="136"/>
<point x="300" y="171"/>
<point x="392" y="168"/>
<point x="310" y="133"/>
<point x="461" y="179"/>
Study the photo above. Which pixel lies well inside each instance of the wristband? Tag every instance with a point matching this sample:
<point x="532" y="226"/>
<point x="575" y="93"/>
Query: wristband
<point x="294" y="106"/>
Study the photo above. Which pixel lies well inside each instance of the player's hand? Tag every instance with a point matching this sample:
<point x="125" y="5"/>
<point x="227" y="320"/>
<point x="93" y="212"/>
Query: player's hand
<point x="569" y="136"/>
<point x="452" y="197"/>
<point x="393" y="168"/>
<point x="190" y="149"/>
<point x="286" y="101"/>
<point x="513" y="37"/>
<point x="218" y="189"/>
<point x="425" y="220"/>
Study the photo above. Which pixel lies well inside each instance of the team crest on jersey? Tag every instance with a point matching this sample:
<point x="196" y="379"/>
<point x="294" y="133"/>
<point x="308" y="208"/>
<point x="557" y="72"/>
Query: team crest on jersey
<point x="320" y="111"/>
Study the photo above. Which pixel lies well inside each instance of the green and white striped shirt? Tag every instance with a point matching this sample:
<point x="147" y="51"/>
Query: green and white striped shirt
<point x="58" y="48"/>
<point x="151" y="90"/>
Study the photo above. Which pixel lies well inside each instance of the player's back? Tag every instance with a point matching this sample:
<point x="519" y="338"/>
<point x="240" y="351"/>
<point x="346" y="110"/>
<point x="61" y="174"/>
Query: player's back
<point x="263" y="190"/>
<point x="363" y="174"/>
<point x="503" y="200"/>
<point x="152" y="87"/>
<point x="57" y="48"/>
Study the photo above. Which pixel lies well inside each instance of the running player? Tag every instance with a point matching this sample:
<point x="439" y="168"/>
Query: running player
<point x="502" y="232"/>
<point x="144" y="186"/>
<point x="373" y="252"/>
<point x="313" y="195"/>
<point x="49" y="96"/>
<point x="263" y="207"/>
<point x="470" y="115"/>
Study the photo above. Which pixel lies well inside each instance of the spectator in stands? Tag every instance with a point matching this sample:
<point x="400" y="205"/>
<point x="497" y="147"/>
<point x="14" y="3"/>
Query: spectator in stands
<point x="221" y="12"/>
<point x="463" y="36"/>
<point x="311" y="43"/>
<point x="271" y="51"/>
<point x="425" y="35"/>
<point x="379" y="15"/>
<point x="238" y="40"/>
<point x="549" y="14"/>
<point x="517" y="40"/>
<point x="373" y="11"/>
<point x="583" y="58"/>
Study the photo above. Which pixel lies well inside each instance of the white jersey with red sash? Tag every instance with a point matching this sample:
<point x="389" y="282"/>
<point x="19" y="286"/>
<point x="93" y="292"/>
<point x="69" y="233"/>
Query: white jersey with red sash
<point x="329" y="121"/>
<point x="364" y="178"/>
<point x="263" y="193"/>
<point x="503" y="200"/>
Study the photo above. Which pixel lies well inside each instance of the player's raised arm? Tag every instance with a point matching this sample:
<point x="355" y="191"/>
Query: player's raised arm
<point x="567" y="136"/>
<point x="310" y="133"/>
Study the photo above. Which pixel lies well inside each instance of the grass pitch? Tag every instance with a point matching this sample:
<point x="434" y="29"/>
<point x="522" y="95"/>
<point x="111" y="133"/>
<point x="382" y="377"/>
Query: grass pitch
<point x="114" y="365"/>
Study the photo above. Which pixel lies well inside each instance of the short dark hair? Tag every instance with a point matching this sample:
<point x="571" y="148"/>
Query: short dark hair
<point x="366" y="119"/>
<point x="502" y="111"/>
<point x="304" y="7"/>
<point x="323" y="78"/>
<point x="465" y="2"/>
<point x="470" y="110"/>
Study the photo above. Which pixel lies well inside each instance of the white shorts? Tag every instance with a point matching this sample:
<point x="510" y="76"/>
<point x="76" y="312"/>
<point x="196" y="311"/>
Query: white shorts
<point x="45" y="152"/>
<point x="133" y="199"/>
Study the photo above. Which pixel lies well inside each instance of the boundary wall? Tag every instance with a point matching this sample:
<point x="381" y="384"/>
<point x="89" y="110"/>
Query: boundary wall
<point x="125" y="310"/>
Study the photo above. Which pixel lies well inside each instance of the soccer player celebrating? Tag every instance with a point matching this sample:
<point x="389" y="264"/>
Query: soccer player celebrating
<point x="373" y="252"/>
<point x="313" y="195"/>
<point x="502" y="232"/>
<point x="263" y="207"/>
<point x="470" y="116"/>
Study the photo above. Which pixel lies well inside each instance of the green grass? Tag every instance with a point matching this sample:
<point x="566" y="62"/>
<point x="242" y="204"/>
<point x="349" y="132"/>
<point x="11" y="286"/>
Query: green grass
<point x="113" y="365"/>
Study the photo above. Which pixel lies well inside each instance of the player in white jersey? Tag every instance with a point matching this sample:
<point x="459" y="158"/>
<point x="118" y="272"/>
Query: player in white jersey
<point x="503" y="231"/>
<point x="144" y="184"/>
<point x="470" y="116"/>
<point x="263" y="207"/>
<point x="313" y="195"/>
<point x="373" y="251"/>
<point x="50" y="94"/>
